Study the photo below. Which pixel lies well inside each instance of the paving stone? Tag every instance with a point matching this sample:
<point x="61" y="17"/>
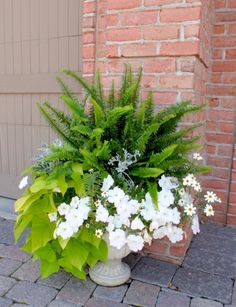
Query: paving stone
<point x="32" y="294"/>
<point x="212" y="243"/>
<point x="19" y="305"/>
<point x="13" y="252"/>
<point x="8" y="266"/>
<point x="211" y="262"/>
<point x="5" y="284"/>
<point x="172" y="298"/>
<point x="115" y="294"/>
<point x="56" y="280"/>
<point x="219" y="230"/>
<point x="28" y="271"/>
<point x="141" y="294"/>
<point x="97" y="302"/>
<point x="4" y="302"/>
<point x="202" y="302"/>
<point x="6" y="232"/>
<point x="197" y="283"/>
<point x="77" y="291"/>
<point x="234" y="295"/>
<point x="154" y="271"/>
<point x="132" y="259"/>
<point x="59" y="303"/>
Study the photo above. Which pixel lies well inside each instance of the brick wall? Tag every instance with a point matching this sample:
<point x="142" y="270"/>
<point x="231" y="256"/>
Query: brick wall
<point x="173" y="42"/>
<point x="221" y="114"/>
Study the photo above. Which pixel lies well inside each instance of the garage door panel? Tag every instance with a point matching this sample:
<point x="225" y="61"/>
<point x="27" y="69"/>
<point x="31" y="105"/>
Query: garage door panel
<point x="37" y="39"/>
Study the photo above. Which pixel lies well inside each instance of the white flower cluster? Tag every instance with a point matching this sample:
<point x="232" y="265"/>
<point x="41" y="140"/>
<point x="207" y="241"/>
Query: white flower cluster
<point x="70" y="217"/>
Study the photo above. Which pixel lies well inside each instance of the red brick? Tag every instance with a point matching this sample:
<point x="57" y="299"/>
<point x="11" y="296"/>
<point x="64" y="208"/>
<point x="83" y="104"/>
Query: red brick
<point x="231" y="28"/>
<point x="161" y="32"/>
<point x="232" y="210"/>
<point x="180" y="14"/>
<point x="187" y="65"/>
<point x="230" y="54"/>
<point x="215" y="184"/>
<point x="149" y="82"/>
<point x="108" y="20"/>
<point x="159" y="65"/>
<point x="117" y="65"/>
<point x="225" y="16"/>
<point x="160" y="2"/>
<point x="180" y="48"/>
<point x="231" y="220"/>
<point x="88" y="22"/>
<point x="220" y="173"/>
<point x="88" y="37"/>
<point x="219" y="4"/>
<point x="218" y="161"/>
<point x="213" y="102"/>
<point x="88" y="51"/>
<point x="122" y="4"/>
<point x="219" y="138"/>
<point x="123" y="34"/>
<point x="178" y="251"/>
<point x="227" y="103"/>
<point x="210" y="149"/>
<point x="191" y="31"/>
<point x="222" y="90"/>
<point x="211" y="125"/>
<point x="217" y="54"/>
<point x="231" y="4"/>
<point x="158" y="246"/>
<point x="219" y="29"/>
<point x="229" y="78"/>
<point x="225" y="150"/>
<point x="229" y="41"/>
<point x="88" y="67"/>
<point x="165" y="97"/>
<point x="138" y="18"/>
<point x="112" y="51"/>
<point x="175" y="81"/>
<point x="89" y="7"/>
<point x="138" y="50"/>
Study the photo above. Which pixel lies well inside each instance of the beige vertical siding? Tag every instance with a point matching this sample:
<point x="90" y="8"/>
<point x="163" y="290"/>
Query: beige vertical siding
<point x="37" y="39"/>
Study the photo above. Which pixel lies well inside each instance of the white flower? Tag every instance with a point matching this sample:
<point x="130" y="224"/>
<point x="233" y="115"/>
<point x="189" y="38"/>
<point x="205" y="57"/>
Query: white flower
<point x="175" y="234"/>
<point x="174" y="216"/>
<point x="23" y="183"/>
<point x="168" y="183"/>
<point x="56" y="190"/>
<point x="102" y="214"/>
<point x="189" y="180"/>
<point x="181" y="191"/>
<point x="197" y="156"/>
<point x="210" y="197"/>
<point x="135" y="242"/>
<point x="195" y="224"/>
<point x="146" y="236"/>
<point x="115" y="195"/>
<point x="134" y="206"/>
<point x="117" y="238"/>
<point x="63" y="209"/>
<point x="190" y="210"/>
<point x="64" y="230"/>
<point x="75" y="202"/>
<point x="160" y="232"/>
<point x="181" y="202"/>
<point x="104" y="194"/>
<point x="107" y="183"/>
<point x="97" y="203"/>
<point x="165" y="198"/>
<point x="83" y="209"/>
<point x="84" y="201"/>
<point x="197" y="187"/>
<point x="99" y="233"/>
<point x="137" y="224"/>
<point x="187" y="198"/>
<point x="148" y="210"/>
<point x="52" y="217"/>
<point x="75" y="218"/>
<point x="154" y="225"/>
<point x="208" y="210"/>
<point x="123" y="209"/>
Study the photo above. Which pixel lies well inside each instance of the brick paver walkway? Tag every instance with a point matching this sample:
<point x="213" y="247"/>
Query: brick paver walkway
<point x="206" y="278"/>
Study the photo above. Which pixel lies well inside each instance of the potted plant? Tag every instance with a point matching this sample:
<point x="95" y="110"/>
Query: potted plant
<point x="119" y="176"/>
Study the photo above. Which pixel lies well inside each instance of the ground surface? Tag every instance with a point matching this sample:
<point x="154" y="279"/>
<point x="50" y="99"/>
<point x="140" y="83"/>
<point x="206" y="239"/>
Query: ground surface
<point x="206" y="278"/>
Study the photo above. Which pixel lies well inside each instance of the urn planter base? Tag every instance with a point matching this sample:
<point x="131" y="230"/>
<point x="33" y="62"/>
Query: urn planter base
<point x="111" y="273"/>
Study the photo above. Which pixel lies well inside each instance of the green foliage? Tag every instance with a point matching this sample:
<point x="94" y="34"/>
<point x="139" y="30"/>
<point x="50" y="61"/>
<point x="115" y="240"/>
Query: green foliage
<point x="115" y="123"/>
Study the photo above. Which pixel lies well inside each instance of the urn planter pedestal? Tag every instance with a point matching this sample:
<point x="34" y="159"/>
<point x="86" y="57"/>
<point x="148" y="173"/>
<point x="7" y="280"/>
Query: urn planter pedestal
<point x="113" y="272"/>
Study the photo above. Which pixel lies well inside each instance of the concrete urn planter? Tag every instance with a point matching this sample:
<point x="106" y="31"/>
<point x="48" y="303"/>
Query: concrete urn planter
<point x="113" y="272"/>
